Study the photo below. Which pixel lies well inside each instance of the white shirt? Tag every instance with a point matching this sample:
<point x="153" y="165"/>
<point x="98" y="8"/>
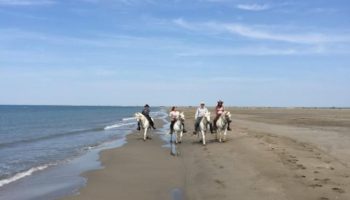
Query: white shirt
<point x="173" y="115"/>
<point x="201" y="112"/>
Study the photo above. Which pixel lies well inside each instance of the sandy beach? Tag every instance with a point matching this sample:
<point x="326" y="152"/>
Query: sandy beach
<point x="270" y="154"/>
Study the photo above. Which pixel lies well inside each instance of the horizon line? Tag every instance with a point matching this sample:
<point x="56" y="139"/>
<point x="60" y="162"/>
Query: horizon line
<point x="180" y="106"/>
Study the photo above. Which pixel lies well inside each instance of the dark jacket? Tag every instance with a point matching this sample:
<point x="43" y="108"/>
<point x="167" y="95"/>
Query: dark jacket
<point x="146" y="111"/>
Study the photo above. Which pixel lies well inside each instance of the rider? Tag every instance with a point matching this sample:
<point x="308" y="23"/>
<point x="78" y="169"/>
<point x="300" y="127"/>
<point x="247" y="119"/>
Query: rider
<point x="174" y="114"/>
<point x="200" y="113"/>
<point x="146" y="110"/>
<point x="219" y="110"/>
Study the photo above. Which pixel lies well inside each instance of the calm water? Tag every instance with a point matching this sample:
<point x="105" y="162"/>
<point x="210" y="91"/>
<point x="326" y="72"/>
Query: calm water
<point x="33" y="138"/>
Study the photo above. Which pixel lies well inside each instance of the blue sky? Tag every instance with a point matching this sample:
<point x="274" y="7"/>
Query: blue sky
<point x="175" y="52"/>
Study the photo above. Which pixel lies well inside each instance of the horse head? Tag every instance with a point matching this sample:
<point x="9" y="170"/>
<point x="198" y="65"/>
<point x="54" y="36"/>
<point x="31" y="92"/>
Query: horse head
<point x="227" y="116"/>
<point x="138" y="116"/>
<point x="207" y="116"/>
<point x="182" y="116"/>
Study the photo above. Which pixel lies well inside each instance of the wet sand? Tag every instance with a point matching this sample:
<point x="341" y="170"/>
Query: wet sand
<point x="270" y="154"/>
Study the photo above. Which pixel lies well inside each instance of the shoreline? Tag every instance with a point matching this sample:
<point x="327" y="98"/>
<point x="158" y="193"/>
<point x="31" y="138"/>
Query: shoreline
<point x="65" y="177"/>
<point x="133" y="173"/>
<point x="62" y="178"/>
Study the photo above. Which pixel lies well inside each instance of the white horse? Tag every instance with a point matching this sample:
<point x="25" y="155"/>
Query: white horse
<point x="144" y="124"/>
<point x="222" y="125"/>
<point x="203" y="126"/>
<point x="178" y="128"/>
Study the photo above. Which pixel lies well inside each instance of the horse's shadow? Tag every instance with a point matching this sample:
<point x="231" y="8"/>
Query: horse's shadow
<point x="173" y="147"/>
<point x="210" y="141"/>
<point x="147" y="138"/>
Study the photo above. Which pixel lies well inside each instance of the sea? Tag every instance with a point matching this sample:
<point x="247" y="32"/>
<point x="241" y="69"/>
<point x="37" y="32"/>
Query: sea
<point x="44" y="149"/>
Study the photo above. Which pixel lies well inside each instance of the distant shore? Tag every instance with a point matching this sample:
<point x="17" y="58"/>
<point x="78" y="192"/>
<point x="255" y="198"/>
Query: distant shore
<point x="270" y="154"/>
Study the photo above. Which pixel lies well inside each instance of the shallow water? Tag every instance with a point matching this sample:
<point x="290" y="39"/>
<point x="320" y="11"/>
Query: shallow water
<point x="177" y="194"/>
<point x="43" y="160"/>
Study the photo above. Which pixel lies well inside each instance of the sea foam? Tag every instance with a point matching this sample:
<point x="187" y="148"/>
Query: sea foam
<point x="22" y="175"/>
<point x="118" y="125"/>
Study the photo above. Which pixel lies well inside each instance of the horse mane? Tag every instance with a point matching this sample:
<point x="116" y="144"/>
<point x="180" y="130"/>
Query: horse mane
<point x="204" y="119"/>
<point x="138" y="114"/>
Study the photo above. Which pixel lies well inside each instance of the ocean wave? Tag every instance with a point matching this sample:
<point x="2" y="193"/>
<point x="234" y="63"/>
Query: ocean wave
<point x="23" y="174"/>
<point x="47" y="137"/>
<point x="118" y="125"/>
<point x="129" y="119"/>
<point x="158" y="114"/>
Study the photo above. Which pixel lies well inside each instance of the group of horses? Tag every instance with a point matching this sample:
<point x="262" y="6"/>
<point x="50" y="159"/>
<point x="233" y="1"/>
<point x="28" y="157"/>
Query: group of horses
<point x="204" y="126"/>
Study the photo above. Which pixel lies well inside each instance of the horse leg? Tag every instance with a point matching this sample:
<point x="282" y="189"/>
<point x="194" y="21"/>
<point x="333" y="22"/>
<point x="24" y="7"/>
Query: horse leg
<point x="225" y="133"/>
<point x="176" y="137"/>
<point x="145" y="134"/>
<point x="220" y="136"/>
<point x="181" y="134"/>
<point x="198" y="132"/>
<point x="203" y="137"/>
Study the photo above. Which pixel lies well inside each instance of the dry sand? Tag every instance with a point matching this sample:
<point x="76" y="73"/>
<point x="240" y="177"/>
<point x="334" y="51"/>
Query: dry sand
<point x="270" y="154"/>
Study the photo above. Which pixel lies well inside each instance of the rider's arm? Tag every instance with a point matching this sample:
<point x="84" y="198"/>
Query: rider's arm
<point x="196" y="115"/>
<point x="145" y="111"/>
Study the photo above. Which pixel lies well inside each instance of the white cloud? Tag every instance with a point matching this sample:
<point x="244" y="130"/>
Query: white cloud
<point x="122" y="2"/>
<point x="255" y="33"/>
<point x="26" y="2"/>
<point x="253" y="50"/>
<point x="253" y="7"/>
<point x="272" y="33"/>
<point x="182" y="23"/>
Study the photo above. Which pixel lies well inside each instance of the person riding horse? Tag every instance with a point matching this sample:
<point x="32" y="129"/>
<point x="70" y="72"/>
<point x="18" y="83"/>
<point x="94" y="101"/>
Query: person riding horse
<point x="146" y="110"/>
<point x="219" y="110"/>
<point x="174" y="114"/>
<point x="200" y="113"/>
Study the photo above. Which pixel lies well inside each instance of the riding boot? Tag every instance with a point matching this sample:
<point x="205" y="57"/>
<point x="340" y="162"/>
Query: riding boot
<point x="183" y="125"/>
<point x="228" y="126"/>
<point x="172" y="127"/>
<point x="211" y="128"/>
<point x="138" y="126"/>
<point x="195" y="129"/>
<point x="152" y="125"/>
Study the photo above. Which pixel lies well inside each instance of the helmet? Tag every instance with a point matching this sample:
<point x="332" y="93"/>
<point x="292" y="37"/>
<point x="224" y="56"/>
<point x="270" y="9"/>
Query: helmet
<point x="146" y="105"/>
<point x="202" y="102"/>
<point x="220" y="101"/>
